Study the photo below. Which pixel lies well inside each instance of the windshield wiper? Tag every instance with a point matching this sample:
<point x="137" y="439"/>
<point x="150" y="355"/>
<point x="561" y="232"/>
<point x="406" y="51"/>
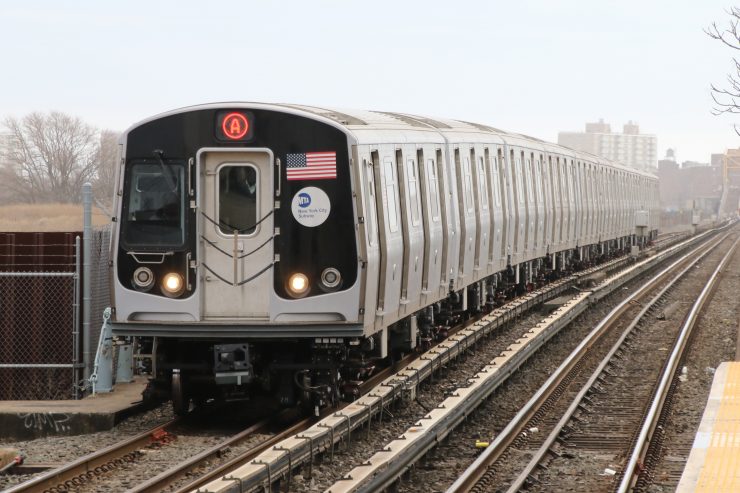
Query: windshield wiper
<point x="165" y="170"/>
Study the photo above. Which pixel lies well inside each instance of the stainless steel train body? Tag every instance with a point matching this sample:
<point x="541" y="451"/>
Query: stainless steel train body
<point x="282" y="249"/>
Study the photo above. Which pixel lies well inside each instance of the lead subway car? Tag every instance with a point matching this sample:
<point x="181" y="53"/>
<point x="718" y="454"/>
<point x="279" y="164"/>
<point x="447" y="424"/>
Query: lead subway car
<point x="282" y="250"/>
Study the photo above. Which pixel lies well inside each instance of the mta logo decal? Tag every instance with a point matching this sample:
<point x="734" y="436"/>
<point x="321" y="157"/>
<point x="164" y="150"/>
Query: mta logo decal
<point x="304" y="200"/>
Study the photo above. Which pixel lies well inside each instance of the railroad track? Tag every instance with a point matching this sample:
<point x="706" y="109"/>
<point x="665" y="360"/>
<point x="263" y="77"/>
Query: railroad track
<point x="87" y="468"/>
<point x="205" y="460"/>
<point x="383" y="469"/>
<point x="647" y="445"/>
<point x="603" y="413"/>
<point x="273" y="465"/>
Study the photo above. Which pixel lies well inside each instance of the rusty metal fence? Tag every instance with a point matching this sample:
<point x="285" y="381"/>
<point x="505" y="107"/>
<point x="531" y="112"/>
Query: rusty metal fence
<point x="39" y="334"/>
<point x="40" y="311"/>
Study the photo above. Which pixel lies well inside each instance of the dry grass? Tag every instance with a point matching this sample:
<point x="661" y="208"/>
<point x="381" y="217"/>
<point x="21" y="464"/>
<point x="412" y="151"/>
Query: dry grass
<point x="46" y="217"/>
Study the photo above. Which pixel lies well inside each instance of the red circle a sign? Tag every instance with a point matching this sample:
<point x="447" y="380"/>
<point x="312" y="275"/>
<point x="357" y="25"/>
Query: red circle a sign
<point x="235" y="126"/>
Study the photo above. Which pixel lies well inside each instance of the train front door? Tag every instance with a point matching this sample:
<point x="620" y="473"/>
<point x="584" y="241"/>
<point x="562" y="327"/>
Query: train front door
<point x="236" y="249"/>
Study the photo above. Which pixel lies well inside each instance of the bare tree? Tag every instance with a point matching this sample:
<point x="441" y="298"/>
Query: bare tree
<point x="106" y="159"/>
<point x="48" y="157"/>
<point x="727" y="99"/>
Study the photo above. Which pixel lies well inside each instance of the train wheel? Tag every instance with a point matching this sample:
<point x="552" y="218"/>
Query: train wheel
<point x="180" y="403"/>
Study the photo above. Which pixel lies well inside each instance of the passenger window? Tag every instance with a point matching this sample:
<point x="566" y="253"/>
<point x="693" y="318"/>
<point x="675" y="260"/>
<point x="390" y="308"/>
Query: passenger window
<point x="518" y="173"/>
<point x="468" y="186"/>
<point x="497" y="186"/>
<point x="237" y="199"/>
<point x="371" y="207"/>
<point x="571" y="176"/>
<point x="538" y="181"/>
<point x="413" y="194"/>
<point x="482" y="189"/>
<point x="390" y="192"/>
<point x="433" y="189"/>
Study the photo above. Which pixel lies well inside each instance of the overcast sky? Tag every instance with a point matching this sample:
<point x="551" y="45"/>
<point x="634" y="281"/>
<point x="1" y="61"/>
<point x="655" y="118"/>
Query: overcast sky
<point x="530" y="66"/>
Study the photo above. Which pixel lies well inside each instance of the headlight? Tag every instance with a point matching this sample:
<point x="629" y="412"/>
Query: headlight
<point x="331" y="277"/>
<point x="143" y="279"/>
<point x="298" y="285"/>
<point x="173" y="285"/>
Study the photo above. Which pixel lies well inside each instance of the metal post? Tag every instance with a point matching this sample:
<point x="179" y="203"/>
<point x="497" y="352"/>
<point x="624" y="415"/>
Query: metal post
<point x="86" y="277"/>
<point x="76" y="331"/>
<point x="102" y="375"/>
<point x="125" y="367"/>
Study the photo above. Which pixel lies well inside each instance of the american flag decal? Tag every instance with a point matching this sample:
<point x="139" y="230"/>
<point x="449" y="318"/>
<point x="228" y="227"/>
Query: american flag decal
<point x="311" y="166"/>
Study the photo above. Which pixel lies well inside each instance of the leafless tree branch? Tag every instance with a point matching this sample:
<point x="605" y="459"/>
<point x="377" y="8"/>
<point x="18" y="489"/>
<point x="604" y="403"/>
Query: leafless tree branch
<point x="727" y="99"/>
<point x="50" y="156"/>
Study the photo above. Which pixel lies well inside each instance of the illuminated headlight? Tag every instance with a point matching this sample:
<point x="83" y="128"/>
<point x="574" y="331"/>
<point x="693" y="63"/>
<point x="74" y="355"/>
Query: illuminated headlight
<point x="143" y="279"/>
<point x="173" y="285"/>
<point x="298" y="285"/>
<point x="331" y="277"/>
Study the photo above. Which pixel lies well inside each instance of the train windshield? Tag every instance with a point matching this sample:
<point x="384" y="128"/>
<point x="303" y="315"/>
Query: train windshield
<point x="154" y="206"/>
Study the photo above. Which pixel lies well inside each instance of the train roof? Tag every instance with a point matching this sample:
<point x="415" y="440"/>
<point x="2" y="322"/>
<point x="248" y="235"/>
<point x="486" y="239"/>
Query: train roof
<point x="369" y="127"/>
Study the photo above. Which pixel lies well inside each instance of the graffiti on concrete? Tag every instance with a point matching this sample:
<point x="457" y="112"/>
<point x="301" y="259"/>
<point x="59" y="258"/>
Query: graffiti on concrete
<point x="56" y="422"/>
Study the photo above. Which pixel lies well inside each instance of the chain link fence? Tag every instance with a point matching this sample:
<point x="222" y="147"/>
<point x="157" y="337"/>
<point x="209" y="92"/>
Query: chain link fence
<point x="37" y="323"/>
<point x="100" y="272"/>
<point x="40" y="311"/>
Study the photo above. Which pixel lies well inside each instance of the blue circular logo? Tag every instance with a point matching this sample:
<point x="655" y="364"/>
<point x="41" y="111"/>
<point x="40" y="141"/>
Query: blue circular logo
<point x="304" y="199"/>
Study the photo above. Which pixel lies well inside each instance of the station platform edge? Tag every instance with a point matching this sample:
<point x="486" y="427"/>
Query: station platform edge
<point x="27" y="420"/>
<point x="714" y="461"/>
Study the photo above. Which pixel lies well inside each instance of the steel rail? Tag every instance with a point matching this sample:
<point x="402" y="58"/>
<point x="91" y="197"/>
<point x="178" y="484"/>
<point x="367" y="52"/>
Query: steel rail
<point x="155" y="484"/>
<point x="92" y="464"/>
<point x="240" y="458"/>
<point x="166" y="478"/>
<point x="538" y="456"/>
<point x="477" y="469"/>
<point x="629" y="476"/>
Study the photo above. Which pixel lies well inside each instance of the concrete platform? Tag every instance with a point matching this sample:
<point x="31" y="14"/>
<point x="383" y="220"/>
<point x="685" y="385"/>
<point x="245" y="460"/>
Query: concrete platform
<point x="26" y="420"/>
<point x="714" y="462"/>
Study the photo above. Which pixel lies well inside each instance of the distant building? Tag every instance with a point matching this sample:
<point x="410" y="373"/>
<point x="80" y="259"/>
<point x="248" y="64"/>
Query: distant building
<point x="690" y="186"/>
<point x="631" y="148"/>
<point x="693" y="164"/>
<point x="729" y="162"/>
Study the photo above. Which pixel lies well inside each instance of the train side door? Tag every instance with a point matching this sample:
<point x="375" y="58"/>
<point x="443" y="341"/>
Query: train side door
<point x="482" y="213"/>
<point x="391" y="236"/>
<point x="450" y="219"/>
<point x="237" y="204"/>
<point x="432" y="220"/>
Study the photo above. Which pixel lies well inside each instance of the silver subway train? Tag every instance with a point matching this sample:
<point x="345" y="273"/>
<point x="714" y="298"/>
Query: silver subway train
<point x="284" y="251"/>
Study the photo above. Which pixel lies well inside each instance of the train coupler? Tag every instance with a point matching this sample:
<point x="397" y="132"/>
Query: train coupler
<point x="231" y="364"/>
